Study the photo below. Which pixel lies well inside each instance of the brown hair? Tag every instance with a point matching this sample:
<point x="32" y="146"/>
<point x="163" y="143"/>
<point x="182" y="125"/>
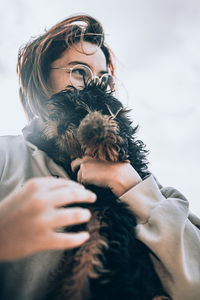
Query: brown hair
<point x="37" y="55"/>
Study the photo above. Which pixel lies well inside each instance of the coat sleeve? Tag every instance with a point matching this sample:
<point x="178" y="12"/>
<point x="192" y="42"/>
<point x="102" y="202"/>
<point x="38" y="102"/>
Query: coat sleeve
<point x="3" y="154"/>
<point x="166" y="226"/>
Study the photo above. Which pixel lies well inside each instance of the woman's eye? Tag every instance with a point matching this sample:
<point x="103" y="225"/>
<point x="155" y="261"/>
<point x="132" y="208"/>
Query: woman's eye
<point x="79" y="72"/>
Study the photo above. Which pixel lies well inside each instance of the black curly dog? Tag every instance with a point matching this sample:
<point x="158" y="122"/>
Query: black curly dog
<point x="112" y="264"/>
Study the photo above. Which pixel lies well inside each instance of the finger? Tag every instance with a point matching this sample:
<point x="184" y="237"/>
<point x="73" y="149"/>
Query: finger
<point x="66" y="196"/>
<point x="70" y="216"/>
<point x="67" y="183"/>
<point x="79" y="177"/>
<point x="69" y="240"/>
<point x="75" y="164"/>
<point x="83" y="180"/>
<point x="48" y="183"/>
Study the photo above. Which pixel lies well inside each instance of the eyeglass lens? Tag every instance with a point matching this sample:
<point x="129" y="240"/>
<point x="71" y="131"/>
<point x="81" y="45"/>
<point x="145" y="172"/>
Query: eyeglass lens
<point x="81" y="75"/>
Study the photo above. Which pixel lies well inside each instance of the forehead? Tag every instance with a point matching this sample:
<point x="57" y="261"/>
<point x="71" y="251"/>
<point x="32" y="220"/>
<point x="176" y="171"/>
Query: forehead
<point x="83" y="52"/>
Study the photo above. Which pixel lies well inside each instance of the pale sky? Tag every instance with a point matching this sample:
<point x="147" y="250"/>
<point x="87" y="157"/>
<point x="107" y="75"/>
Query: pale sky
<point x="157" y="45"/>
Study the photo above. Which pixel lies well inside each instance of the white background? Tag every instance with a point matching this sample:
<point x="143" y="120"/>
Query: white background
<point x="157" y="46"/>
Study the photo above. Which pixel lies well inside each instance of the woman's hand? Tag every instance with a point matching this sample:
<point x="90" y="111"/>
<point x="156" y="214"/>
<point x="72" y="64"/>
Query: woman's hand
<point x="118" y="176"/>
<point x="30" y="217"/>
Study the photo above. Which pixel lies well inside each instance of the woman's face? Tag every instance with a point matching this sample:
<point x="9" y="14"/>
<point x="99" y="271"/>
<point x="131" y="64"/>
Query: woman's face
<point x="93" y="57"/>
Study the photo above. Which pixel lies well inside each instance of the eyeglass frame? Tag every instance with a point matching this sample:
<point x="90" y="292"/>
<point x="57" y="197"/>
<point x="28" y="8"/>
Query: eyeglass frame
<point x="93" y="77"/>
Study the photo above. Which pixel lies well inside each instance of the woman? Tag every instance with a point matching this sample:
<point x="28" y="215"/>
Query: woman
<point x="32" y="197"/>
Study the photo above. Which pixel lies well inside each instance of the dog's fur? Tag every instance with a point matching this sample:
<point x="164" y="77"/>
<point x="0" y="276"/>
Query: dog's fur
<point x="112" y="264"/>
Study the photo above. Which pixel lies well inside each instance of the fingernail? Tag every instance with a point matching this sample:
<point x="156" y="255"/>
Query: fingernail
<point x="86" y="213"/>
<point x="85" y="235"/>
<point x="93" y="196"/>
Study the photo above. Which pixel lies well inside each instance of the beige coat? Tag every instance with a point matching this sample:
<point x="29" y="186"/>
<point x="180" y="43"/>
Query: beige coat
<point x="165" y="225"/>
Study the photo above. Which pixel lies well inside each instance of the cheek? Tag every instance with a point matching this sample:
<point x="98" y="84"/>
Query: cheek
<point x="58" y="81"/>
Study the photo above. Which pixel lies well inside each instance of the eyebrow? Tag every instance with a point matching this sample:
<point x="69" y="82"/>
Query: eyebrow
<point x="76" y="62"/>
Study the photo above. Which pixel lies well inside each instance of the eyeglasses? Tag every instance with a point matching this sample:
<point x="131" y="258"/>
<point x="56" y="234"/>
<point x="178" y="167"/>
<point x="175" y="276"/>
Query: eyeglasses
<point x="81" y="75"/>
